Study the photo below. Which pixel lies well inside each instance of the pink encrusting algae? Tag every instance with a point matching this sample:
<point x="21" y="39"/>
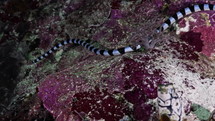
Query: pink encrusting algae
<point x="53" y="92"/>
<point x="106" y="106"/>
<point x="201" y="27"/>
<point x="208" y="40"/>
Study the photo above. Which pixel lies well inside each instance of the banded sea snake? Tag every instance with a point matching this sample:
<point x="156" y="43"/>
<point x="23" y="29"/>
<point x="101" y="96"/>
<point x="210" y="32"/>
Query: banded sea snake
<point x="171" y="20"/>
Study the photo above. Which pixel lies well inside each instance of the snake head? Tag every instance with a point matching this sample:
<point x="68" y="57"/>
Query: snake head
<point x="148" y="43"/>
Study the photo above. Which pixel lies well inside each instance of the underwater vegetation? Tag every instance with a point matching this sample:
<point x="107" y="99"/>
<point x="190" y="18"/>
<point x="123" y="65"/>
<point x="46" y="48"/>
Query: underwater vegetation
<point x="74" y="84"/>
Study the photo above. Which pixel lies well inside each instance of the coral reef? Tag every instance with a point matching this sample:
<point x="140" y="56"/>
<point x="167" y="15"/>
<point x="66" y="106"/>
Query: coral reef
<point x="77" y="85"/>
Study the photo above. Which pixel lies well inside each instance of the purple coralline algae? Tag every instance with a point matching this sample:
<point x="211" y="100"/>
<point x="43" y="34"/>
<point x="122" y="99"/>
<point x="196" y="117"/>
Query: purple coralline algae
<point x="66" y="96"/>
<point x="132" y="82"/>
<point x="143" y="85"/>
<point x="106" y="106"/>
<point x="200" y="33"/>
<point x="57" y="92"/>
<point x="138" y="75"/>
<point x="200" y="26"/>
<point x="208" y="40"/>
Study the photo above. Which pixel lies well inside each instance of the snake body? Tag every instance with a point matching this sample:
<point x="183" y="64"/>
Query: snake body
<point x="90" y="47"/>
<point x="184" y="12"/>
<point x="112" y="52"/>
<point x="164" y="104"/>
<point x="170" y="103"/>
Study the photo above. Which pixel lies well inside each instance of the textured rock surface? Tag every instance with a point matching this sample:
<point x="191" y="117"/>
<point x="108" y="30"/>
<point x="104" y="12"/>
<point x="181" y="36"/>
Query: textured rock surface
<point x="75" y="84"/>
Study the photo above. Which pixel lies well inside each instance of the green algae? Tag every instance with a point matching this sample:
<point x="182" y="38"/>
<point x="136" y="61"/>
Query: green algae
<point x="58" y="55"/>
<point x="142" y="49"/>
<point x="31" y="55"/>
<point x="202" y="113"/>
<point x="73" y="54"/>
<point x="93" y="71"/>
<point x="48" y="67"/>
<point x="27" y="86"/>
<point x="90" y="71"/>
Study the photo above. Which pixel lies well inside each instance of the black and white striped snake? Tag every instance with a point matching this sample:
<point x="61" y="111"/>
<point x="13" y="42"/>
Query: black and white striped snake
<point x="171" y="20"/>
<point x="90" y="47"/>
<point x="163" y="103"/>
